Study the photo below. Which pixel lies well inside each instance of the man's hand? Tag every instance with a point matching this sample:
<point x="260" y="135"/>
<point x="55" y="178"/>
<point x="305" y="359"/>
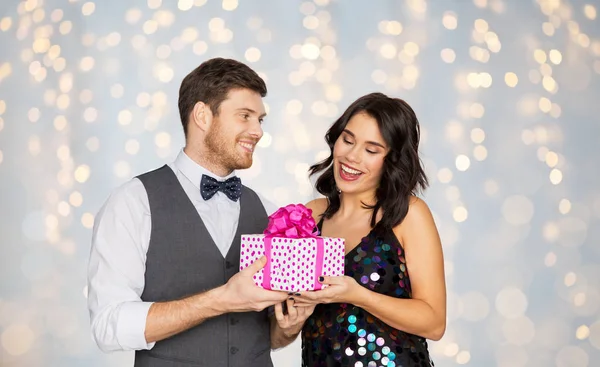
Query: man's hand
<point x="285" y="327"/>
<point x="240" y="294"/>
<point x="292" y="322"/>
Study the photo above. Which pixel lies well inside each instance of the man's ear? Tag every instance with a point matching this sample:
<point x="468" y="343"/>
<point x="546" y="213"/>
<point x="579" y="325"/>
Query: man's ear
<point x="201" y="116"/>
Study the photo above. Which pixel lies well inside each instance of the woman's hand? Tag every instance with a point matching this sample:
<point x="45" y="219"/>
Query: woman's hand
<point x="342" y="289"/>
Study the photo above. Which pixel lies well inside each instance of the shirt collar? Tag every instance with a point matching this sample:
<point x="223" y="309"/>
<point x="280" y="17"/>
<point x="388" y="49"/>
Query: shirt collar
<point x="193" y="171"/>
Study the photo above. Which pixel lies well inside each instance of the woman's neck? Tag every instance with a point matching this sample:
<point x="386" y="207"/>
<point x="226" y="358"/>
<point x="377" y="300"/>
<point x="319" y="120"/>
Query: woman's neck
<point x="353" y="205"/>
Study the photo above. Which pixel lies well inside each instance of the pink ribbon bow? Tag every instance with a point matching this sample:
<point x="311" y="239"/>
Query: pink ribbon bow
<point x="292" y="221"/>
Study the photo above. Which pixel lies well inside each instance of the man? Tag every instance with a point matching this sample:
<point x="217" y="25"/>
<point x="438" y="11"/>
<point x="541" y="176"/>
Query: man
<point x="163" y="270"/>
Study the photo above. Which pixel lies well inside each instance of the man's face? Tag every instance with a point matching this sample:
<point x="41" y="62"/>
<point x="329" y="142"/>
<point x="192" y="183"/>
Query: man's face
<point x="236" y="129"/>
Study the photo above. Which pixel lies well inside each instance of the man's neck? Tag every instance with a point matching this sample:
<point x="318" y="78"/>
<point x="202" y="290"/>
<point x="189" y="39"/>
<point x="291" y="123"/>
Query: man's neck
<point x="207" y="161"/>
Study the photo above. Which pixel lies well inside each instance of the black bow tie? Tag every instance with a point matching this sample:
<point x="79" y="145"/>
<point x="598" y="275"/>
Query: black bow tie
<point x="232" y="187"/>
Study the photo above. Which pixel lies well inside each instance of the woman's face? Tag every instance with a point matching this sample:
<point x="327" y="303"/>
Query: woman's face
<point x="358" y="155"/>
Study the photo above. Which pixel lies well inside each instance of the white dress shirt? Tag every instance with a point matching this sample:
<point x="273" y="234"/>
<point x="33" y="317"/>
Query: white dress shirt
<point x="120" y="241"/>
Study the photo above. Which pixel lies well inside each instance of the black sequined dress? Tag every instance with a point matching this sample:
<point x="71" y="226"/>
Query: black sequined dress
<point x="344" y="335"/>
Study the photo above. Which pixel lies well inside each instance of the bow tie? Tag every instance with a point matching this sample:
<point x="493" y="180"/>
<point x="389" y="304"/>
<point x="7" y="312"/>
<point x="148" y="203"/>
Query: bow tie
<point x="232" y="187"/>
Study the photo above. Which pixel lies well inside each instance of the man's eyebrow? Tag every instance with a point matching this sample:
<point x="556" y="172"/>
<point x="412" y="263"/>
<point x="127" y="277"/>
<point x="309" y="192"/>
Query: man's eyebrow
<point x="249" y="110"/>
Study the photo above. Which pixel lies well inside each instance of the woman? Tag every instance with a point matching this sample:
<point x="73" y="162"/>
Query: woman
<point x="393" y="296"/>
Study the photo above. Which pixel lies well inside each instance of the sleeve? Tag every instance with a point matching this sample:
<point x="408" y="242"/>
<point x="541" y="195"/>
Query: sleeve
<point x="116" y="270"/>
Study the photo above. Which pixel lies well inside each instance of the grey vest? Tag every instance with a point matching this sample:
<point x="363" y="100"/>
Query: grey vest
<point x="183" y="260"/>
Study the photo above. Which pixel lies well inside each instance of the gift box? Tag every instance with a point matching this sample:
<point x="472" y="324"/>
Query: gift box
<point x="296" y="255"/>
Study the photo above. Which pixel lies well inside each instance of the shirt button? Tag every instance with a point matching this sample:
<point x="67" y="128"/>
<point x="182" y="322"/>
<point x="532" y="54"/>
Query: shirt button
<point x="228" y="265"/>
<point x="233" y="321"/>
<point x="233" y="350"/>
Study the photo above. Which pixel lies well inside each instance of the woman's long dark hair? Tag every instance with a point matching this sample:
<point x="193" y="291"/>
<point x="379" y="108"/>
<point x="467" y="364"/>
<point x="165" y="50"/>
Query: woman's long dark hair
<point x="403" y="174"/>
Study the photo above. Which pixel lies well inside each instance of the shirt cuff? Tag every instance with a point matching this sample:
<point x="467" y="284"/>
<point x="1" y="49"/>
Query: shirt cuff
<point x="132" y="326"/>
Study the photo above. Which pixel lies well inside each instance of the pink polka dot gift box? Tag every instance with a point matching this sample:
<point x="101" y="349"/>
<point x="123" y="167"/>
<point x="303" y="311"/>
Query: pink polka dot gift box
<point x="296" y="255"/>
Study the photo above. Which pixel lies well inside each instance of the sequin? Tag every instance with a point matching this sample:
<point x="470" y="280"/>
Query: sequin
<point x="337" y="355"/>
<point x="342" y="334"/>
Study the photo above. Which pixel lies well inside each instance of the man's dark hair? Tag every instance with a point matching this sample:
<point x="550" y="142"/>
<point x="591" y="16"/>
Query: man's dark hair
<point x="211" y="82"/>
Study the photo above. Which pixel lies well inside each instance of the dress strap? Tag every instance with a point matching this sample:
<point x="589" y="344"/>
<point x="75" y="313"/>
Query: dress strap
<point x="320" y="226"/>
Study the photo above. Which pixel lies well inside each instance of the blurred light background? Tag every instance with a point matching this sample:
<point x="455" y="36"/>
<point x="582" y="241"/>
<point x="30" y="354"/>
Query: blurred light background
<point x="507" y="92"/>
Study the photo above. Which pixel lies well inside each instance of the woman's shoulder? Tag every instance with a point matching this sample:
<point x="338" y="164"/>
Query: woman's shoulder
<point x="417" y="217"/>
<point x="318" y="207"/>
<point x="417" y="208"/>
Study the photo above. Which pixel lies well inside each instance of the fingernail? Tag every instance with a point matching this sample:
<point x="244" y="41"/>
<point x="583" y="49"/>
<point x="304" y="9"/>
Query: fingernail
<point x="321" y="279"/>
<point x="297" y="294"/>
<point x="291" y="298"/>
<point x="289" y="294"/>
